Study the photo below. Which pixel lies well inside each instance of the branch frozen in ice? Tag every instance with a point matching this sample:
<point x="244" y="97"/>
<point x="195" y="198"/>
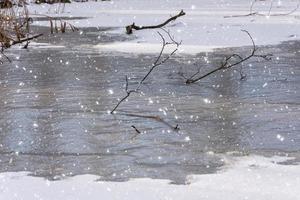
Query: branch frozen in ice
<point x="158" y="61"/>
<point x="229" y="62"/>
<point x="255" y="13"/>
<point x="153" y="117"/>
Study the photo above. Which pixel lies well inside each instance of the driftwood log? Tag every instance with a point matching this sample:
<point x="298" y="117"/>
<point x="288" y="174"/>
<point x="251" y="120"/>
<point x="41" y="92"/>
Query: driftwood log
<point x="130" y="28"/>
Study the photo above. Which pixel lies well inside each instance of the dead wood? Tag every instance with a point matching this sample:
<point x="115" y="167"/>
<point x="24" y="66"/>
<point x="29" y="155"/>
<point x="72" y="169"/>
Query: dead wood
<point x="26" y="39"/>
<point x="159" y="61"/>
<point x="136" y="130"/>
<point x="153" y="117"/>
<point x="230" y="61"/>
<point x="252" y="13"/>
<point x="130" y="28"/>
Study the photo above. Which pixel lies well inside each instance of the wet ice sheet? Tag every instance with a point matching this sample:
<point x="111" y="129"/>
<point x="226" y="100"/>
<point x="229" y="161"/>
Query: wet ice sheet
<point x="251" y="177"/>
<point x="54" y="111"/>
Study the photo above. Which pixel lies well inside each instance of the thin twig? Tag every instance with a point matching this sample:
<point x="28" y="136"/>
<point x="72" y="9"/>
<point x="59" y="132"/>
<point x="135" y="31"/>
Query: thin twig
<point x="129" y="28"/>
<point x="252" y="13"/>
<point x="226" y="64"/>
<point x="159" y="61"/>
<point x="243" y="76"/>
<point x="153" y="117"/>
<point x="137" y="130"/>
<point x="26" y="39"/>
<point x="9" y="60"/>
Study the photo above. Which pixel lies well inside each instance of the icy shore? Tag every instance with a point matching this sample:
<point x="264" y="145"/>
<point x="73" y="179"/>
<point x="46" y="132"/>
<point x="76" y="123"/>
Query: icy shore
<point x="250" y="177"/>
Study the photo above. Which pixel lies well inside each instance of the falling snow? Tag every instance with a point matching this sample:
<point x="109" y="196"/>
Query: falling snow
<point x="59" y="139"/>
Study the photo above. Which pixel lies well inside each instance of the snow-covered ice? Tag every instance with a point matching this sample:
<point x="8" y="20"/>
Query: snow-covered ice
<point x="250" y="177"/>
<point x="202" y="29"/>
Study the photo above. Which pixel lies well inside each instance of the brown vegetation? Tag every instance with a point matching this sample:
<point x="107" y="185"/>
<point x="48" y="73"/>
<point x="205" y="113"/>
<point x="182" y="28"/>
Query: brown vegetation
<point x="15" y="26"/>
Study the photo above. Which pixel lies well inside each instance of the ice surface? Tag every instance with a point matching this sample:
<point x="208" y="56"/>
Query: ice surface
<point x="250" y="177"/>
<point x="202" y="29"/>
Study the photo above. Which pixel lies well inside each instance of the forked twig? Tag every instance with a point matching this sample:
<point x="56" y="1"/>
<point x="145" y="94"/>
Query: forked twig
<point x="226" y="63"/>
<point x="159" y="61"/>
<point x="129" y="28"/>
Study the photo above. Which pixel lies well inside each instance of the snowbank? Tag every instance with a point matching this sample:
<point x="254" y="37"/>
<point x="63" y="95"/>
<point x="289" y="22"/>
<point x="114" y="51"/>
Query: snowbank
<point x="250" y="177"/>
<point x="202" y="29"/>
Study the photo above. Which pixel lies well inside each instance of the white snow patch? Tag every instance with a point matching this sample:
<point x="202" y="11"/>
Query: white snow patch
<point x="203" y="28"/>
<point x="250" y="177"/>
<point x="144" y="48"/>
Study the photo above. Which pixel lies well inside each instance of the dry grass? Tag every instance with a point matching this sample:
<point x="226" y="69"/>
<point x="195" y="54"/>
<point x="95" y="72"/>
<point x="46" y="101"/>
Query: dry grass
<point x="60" y="26"/>
<point x="15" y="25"/>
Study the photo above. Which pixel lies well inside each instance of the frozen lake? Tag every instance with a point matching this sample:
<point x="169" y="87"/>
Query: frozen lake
<point x="54" y="105"/>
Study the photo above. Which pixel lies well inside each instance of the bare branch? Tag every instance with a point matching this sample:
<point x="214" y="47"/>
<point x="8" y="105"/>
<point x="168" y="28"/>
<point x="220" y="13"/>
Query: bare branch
<point x="130" y="28"/>
<point x="26" y="39"/>
<point x="243" y="76"/>
<point x="226" y="63"/>
<point x="137" y="132"/>
<point x="159" y="61"/>
<point x="9" y="60"/>
<point x="252" y="13"/>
